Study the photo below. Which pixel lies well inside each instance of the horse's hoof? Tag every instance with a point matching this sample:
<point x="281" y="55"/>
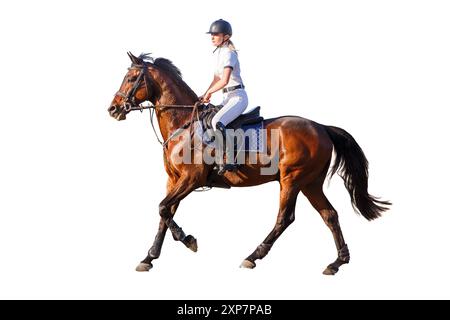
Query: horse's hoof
<point x="143" y="267"/>
<point x="248" y="264"/>
<point x="329" y="271"/>
<point x="191" y="243"/>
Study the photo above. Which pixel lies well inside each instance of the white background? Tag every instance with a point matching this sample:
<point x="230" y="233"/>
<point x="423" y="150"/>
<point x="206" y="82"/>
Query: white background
<point x="79" y="191"/>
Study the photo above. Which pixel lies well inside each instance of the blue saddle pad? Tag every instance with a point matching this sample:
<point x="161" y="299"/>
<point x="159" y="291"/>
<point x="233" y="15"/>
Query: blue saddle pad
<point x="255" y="137"/>
<point x="249" y="138"/>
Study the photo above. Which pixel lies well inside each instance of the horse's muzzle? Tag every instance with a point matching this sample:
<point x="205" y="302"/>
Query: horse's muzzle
<point x="117" y="112"/>
<point x="112" y="110"/>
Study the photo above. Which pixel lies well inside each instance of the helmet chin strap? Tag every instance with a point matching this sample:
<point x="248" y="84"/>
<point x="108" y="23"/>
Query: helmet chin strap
<point x="221" y="44"/>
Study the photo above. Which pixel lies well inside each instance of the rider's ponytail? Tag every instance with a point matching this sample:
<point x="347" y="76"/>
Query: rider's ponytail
<point x="231" y="46"/>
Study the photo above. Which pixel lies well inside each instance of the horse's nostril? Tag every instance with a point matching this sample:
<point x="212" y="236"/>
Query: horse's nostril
<point x="112" y="109"/>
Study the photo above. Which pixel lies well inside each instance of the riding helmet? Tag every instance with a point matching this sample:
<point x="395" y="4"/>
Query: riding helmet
<point x="221" y="26"/>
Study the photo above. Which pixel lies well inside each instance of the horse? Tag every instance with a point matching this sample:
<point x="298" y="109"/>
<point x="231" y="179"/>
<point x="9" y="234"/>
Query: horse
<point x="305" y="150"/>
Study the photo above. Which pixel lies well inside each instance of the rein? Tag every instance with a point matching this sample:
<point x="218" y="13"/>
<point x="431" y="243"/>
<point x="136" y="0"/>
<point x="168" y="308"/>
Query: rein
<point x="153" y="108"/>
<point x="160" y="106"/>
<point x="129" y="104"/>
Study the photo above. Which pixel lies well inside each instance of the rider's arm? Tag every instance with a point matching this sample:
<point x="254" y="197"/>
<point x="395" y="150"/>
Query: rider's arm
<point x="222" y="81"/>
<point x="213" y="82"/>
<point x="219" y="84"/>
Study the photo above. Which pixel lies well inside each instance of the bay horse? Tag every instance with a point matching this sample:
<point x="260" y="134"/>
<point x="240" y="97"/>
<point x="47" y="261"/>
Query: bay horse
<point x="304" y="158"/>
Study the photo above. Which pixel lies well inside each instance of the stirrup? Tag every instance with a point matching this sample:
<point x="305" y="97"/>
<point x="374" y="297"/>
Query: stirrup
<point x="210" y="139"/>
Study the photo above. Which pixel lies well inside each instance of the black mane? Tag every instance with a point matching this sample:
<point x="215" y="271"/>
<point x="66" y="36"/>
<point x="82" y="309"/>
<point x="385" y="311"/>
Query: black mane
<point x="168" y="68"/>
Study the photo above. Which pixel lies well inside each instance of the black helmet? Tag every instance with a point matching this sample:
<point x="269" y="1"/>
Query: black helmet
<point x="221" y="26"/>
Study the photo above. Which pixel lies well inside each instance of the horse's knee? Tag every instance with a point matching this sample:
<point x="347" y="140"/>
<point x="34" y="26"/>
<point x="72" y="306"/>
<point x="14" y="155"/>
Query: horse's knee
<point x="281" y="225"/>
<point x="285" y="220"/>
<point x="163" y="211"/>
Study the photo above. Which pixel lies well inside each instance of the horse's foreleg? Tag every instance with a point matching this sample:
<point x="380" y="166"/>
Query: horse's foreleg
<point x="286" y="215"/>
<point x="155" y="250"/>
<point x="181" y="189"/>
<point x="175" y="193"/>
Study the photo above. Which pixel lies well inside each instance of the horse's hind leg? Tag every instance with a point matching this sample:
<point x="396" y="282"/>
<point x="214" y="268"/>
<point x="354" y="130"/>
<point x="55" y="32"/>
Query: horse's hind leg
<point x="319" y="201"/>
<point x="286" y="215"/>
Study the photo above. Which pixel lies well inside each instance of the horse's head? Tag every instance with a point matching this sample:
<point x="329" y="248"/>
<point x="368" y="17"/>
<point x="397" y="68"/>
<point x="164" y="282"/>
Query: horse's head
<point x="135" y="89"/>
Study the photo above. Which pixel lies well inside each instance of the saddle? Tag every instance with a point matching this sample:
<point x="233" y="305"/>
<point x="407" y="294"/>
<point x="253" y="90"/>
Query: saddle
<point x="251" y="120"/>
<point x="247" y="118"/>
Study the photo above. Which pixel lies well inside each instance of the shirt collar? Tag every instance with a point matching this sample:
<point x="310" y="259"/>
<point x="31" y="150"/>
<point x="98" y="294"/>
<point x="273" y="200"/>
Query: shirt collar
<point x="219" y="48"/>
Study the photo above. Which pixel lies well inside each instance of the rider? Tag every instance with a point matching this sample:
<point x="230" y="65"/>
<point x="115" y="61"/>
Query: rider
<point x="227" y="78"/>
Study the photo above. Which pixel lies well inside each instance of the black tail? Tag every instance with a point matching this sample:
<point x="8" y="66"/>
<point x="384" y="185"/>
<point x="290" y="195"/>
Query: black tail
<point x="352" y="165"/>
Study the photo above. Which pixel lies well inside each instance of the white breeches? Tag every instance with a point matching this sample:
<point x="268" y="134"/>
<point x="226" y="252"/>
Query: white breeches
<point x="234" y="104"/>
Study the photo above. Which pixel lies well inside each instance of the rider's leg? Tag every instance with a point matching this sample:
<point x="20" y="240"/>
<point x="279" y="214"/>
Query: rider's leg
<point x="234" y="104"/>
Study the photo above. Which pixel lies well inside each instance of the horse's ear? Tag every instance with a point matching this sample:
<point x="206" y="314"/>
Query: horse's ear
<point x="133" y="58"/>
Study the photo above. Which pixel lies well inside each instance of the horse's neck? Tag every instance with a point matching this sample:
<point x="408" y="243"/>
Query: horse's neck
<point x="170" y="119"/>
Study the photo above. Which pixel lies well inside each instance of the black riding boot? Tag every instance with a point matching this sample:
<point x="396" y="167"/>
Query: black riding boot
<point x="230" y="165"/>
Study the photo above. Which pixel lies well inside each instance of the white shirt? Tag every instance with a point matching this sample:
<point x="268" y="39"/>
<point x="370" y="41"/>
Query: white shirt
<point x="225" y="57"/>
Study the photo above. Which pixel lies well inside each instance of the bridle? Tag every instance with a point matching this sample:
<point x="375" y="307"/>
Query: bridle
<point x="129" y="102"/>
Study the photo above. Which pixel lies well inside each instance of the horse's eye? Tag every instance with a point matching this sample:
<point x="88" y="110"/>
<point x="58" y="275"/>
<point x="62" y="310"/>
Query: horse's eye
<point x="132" y="79"/>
